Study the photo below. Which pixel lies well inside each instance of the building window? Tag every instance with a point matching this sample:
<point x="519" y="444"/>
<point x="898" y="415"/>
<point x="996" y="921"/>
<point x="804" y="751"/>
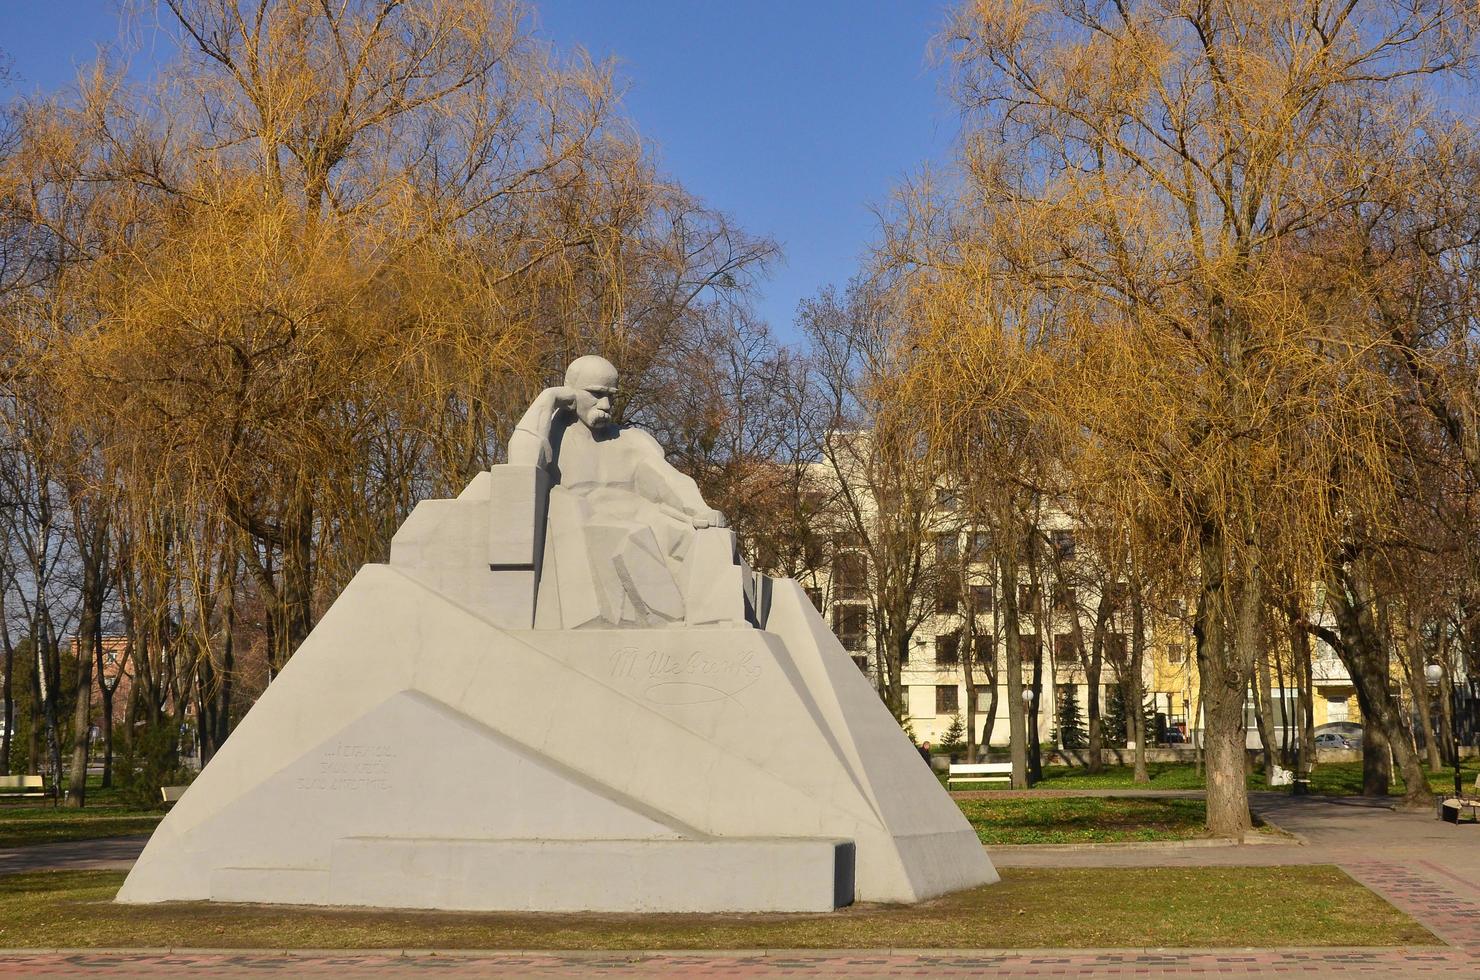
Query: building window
<point x="1065" y="599"/>
<point x="1283" y="704"/>
<point x="1065" y="651"/>
<point x="1176" y="654"/>
<point x="946" y="699"/>
<point x="947" y="650"/>
<point x="947" y="500"/>
<point x="982" y="597"/>
<point x="815" y="595"/>
<point x="862" y="661"/>
<point x="1027" y="599"/>
<point x="1115" y="647"/>
<point x="850" y="623"/>
<point x="981" y="545"/>
<point x="1027" y="646"/>
<point x="947" y="546"/>
<point x="947" y="594"/>
<point x="1063" y="544"/>
<point x="850" y="575"/>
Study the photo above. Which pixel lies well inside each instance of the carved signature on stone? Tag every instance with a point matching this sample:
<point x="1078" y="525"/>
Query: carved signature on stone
<point x="699" y="677"/>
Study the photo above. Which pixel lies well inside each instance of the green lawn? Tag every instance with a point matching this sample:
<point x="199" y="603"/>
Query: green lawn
<point x="1328" y="778"/>
<point x="42" y="823"/>
<point x="1048" y="908"/>
<point x="1345" y="779"/>
<point x="1164" y="775"/>
<point x="1083" y="819"/>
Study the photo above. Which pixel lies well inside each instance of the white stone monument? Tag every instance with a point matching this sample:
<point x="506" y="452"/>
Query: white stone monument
<point x="566" y="691"/>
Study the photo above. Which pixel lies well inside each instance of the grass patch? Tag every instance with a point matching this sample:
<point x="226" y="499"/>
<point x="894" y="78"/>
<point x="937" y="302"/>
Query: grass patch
<point x="1345" y="779"/>
<point x="32" y="823"/>
<point x="1084" y="820"/>
<point x="1164" y="775"/>
<point x="1327" y="778"/>
<point x="1065" y="907"/>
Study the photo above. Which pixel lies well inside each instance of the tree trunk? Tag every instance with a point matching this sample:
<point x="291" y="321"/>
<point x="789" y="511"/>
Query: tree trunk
<point x="896" y="694"/>
<point x="989" y="720"/>
<point x="1223" y="680"/>
<point x="36" y="757"/>
<point x="298" y="577"/>
<point x="1263" y="714"/>
<point x="89" y="640"/>
<point x="1305" y="681"/>
<point x="967" y="653"/>
<point x="1138" y="659"/>
<point x="1377" y="761"/>
<point x="1284" y="734"/>
<point x="7" y="695"/>
<point x="82" y="713"/>
<point x="46" y="659"/>
<point x="1016" y="722"/>
<point x="1093" y="722"/>
<point x="1362" y="649"/>
<point x="1035" y="749"/>
<point x="1448" y="743"/>
<point x="215" y="717"/>
<point x="106" y="693"/>
<point x="1423" y="698"/>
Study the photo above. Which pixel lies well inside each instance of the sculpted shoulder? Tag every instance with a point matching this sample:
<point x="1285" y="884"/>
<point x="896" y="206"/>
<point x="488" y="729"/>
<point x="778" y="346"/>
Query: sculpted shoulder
<point x="640" y="440"/>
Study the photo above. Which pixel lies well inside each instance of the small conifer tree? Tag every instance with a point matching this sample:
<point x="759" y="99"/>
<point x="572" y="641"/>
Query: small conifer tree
<point x="954" y="739"/>
<point x="1070" y="729"/>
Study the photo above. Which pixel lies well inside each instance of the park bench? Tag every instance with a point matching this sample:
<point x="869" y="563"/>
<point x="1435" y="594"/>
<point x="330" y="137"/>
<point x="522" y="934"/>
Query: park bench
<point x="980" y="772"/>
<point x="22" y="785"/>
<point x="1454" y="808"/>
<point x="171" y="794"/>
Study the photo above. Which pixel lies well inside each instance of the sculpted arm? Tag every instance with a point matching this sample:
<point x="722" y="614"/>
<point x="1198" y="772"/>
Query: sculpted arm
<point x="659" y="481"/>
<point x="529" y="443"/>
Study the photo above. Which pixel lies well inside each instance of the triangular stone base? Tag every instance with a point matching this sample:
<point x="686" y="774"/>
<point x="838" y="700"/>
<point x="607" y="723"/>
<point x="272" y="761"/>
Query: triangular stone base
<point x="414" y="754"/>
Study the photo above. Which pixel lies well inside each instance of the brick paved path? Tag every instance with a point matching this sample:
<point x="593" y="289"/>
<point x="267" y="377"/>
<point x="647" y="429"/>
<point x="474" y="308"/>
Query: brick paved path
<point x="1307" y="964"/>
<point x="1427" y="868"/>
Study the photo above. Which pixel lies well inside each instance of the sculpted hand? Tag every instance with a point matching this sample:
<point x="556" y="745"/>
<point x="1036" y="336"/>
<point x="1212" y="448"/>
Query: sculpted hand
<point x="712" y="518"/>
<point x="564" y="396"/>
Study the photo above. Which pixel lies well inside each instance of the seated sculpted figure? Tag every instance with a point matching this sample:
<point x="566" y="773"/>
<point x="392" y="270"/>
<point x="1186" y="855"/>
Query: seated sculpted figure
<point x="629" y="539"/>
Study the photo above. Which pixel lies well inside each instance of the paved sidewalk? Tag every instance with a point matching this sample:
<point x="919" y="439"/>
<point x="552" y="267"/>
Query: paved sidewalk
<point x="1309" y="964"/>
<point x="1427" y="868"/>
<point x="113" y="853"/>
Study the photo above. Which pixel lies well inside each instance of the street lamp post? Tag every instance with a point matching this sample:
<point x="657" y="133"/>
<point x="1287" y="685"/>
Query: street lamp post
<point x="1027" y="708"/>
<point x="1433" y="674"/>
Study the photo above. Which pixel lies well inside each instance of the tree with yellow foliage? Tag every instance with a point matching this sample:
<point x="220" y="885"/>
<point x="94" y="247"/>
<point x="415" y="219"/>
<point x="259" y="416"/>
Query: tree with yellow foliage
<point x="1149" y="173"/>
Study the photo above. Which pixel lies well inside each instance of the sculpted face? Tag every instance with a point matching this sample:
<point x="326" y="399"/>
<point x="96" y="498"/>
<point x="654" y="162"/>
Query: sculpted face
<point x="595" y="382"/>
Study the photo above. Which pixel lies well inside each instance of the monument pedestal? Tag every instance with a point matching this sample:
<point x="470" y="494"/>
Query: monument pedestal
<point x="713" y="875"/>
<point x="405" y="718"/>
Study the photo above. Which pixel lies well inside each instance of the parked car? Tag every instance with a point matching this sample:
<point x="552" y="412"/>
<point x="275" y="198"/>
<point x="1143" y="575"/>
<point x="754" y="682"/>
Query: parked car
<point x="1350" y="730"/>
<point x="1175" y="737"/>
<point x="1332" y="740"/>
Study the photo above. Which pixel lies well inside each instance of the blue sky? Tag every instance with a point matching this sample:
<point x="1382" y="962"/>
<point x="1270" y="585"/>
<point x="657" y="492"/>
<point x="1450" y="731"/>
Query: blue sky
<point x="792" y="117"/>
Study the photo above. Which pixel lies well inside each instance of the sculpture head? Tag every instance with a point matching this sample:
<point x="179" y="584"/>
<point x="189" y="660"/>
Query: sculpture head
<point x="594" y="380"/>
